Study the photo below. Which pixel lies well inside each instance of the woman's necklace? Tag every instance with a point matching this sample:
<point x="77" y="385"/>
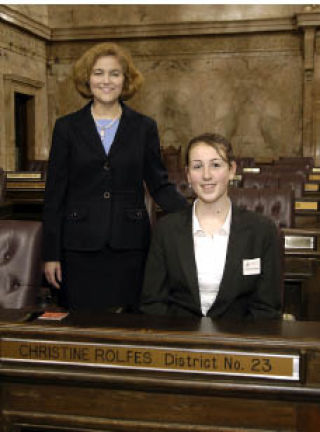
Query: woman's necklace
<point x="103" y="128"/>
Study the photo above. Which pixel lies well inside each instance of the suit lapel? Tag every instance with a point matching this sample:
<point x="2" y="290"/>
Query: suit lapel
<point x="234" y="256"/>
<point x="186" y="253"/>
<point x="125" y="130"/>
<point x="87" y="128"/>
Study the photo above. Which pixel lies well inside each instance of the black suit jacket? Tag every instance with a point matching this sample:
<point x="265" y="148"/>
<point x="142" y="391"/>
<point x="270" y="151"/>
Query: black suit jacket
<point x="93" y="199"/>
<point x="171" y="283"/>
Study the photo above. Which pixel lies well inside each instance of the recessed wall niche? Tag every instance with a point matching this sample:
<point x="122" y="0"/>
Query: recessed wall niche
<point x="19" y="91"/>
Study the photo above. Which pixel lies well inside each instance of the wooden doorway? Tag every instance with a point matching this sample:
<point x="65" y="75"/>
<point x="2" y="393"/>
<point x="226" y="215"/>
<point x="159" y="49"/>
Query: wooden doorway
<point x="24" y="112"/>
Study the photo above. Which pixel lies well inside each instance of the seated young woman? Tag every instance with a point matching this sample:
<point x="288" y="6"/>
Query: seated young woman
<point x="213" y="258"/>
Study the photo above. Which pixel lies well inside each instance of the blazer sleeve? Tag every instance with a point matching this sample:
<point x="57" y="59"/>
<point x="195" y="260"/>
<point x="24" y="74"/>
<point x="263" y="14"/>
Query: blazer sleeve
<point x="266" y="301"/>
<point x="156" y="175"/>
<point x="154" y="296"/>
<point x="56" y="187"/>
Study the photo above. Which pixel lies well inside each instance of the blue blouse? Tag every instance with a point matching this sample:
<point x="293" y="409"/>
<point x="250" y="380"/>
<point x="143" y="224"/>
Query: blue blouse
<point x="107" y="133"/>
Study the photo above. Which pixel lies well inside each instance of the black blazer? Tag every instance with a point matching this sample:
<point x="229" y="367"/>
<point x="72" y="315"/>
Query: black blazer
<point x="93" y="199"/>
<point x="171" y="283"/>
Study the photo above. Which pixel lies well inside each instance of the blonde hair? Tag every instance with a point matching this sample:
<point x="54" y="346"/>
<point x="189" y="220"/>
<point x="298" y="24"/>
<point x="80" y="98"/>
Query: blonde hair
<point x="84" y="65"/>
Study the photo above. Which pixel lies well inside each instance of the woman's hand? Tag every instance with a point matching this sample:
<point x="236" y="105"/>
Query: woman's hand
<point x="52" y="270"/>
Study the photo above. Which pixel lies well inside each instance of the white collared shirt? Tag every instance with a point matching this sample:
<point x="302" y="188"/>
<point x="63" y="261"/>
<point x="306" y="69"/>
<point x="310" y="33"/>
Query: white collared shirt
<point x="210" y="256"/>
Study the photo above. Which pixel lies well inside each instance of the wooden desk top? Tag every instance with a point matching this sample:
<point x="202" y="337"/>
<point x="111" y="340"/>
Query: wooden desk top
<point x="269" y="357"/>
<point x="156" y="329"/>
<point x="124" y="371"/>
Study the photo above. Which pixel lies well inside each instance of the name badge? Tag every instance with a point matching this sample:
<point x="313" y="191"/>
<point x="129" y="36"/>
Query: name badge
<point x="252" y="266"/>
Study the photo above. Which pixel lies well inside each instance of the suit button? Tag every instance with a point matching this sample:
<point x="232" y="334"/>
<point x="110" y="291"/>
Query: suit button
<point x="106" y="166"/>
<point x="106" y="195"/>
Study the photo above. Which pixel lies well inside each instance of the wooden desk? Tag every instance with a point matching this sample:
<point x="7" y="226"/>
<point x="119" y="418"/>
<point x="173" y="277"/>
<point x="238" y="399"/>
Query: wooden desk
<point x="69" y="376"/>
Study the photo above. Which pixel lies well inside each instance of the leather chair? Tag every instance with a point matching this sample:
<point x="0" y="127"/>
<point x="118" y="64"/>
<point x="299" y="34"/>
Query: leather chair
<point x="259" y="181"/>
<point x="306" y="161"/>
<point x="20" y="263"/>
<point x="278" y="204"/>
<point x="286" y="168"/>
<point x="294" y="180"/>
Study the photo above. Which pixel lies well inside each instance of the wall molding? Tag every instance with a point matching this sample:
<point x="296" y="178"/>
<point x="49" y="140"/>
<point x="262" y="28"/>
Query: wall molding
<point x="24" y="23"/>
<point x="173" y="29"/>
<point x="191" y="28"/>
<point x="22" y="80"/>
<point x="311" y="19"/>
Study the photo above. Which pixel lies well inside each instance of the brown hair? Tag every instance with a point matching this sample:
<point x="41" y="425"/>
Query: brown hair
<point x="218" y="142"/>
<point x="83" y="68"/>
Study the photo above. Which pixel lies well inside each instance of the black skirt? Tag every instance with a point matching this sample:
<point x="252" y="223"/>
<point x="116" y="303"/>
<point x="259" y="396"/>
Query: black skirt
<point x="102" y="280"/>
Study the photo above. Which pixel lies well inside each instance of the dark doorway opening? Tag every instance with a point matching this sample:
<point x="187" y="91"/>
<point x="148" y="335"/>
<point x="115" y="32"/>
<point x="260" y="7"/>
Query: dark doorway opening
<point x="24" y="129"/>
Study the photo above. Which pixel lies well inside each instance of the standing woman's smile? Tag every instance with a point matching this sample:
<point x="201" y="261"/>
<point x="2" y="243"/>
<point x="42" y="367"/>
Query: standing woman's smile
<point x="106" y="81"/>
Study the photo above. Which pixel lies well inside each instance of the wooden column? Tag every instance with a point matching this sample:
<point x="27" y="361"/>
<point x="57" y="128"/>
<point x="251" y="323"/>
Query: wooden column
<point x="310" y="23"/>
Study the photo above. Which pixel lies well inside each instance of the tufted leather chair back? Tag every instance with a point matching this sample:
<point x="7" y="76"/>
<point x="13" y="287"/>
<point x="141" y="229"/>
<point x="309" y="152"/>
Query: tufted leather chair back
<point x="286" y="168"/>
<point x="262" y="180"/>
<point x="286" y="178"/>
<point x="2" y="185"/>
<point x="278" y="204"/>
<point x="294" y="180"/>
<point x="20" y="263"/>
<point x="306" y="161"/>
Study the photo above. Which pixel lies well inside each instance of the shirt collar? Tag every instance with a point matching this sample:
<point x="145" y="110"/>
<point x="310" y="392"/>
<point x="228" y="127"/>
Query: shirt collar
<point x="196" y="227"/>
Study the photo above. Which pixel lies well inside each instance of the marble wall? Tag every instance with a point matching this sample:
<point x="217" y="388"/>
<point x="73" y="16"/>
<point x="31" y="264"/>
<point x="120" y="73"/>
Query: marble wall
<point x="241" y="86"/>
<point x="241" y="70"/>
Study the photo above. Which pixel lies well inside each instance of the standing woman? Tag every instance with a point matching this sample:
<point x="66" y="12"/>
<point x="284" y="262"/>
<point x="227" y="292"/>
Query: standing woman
<point x="96" y="226"/>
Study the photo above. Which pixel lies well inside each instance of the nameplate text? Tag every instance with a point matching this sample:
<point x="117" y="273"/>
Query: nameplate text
<point x="185" y="360"/>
